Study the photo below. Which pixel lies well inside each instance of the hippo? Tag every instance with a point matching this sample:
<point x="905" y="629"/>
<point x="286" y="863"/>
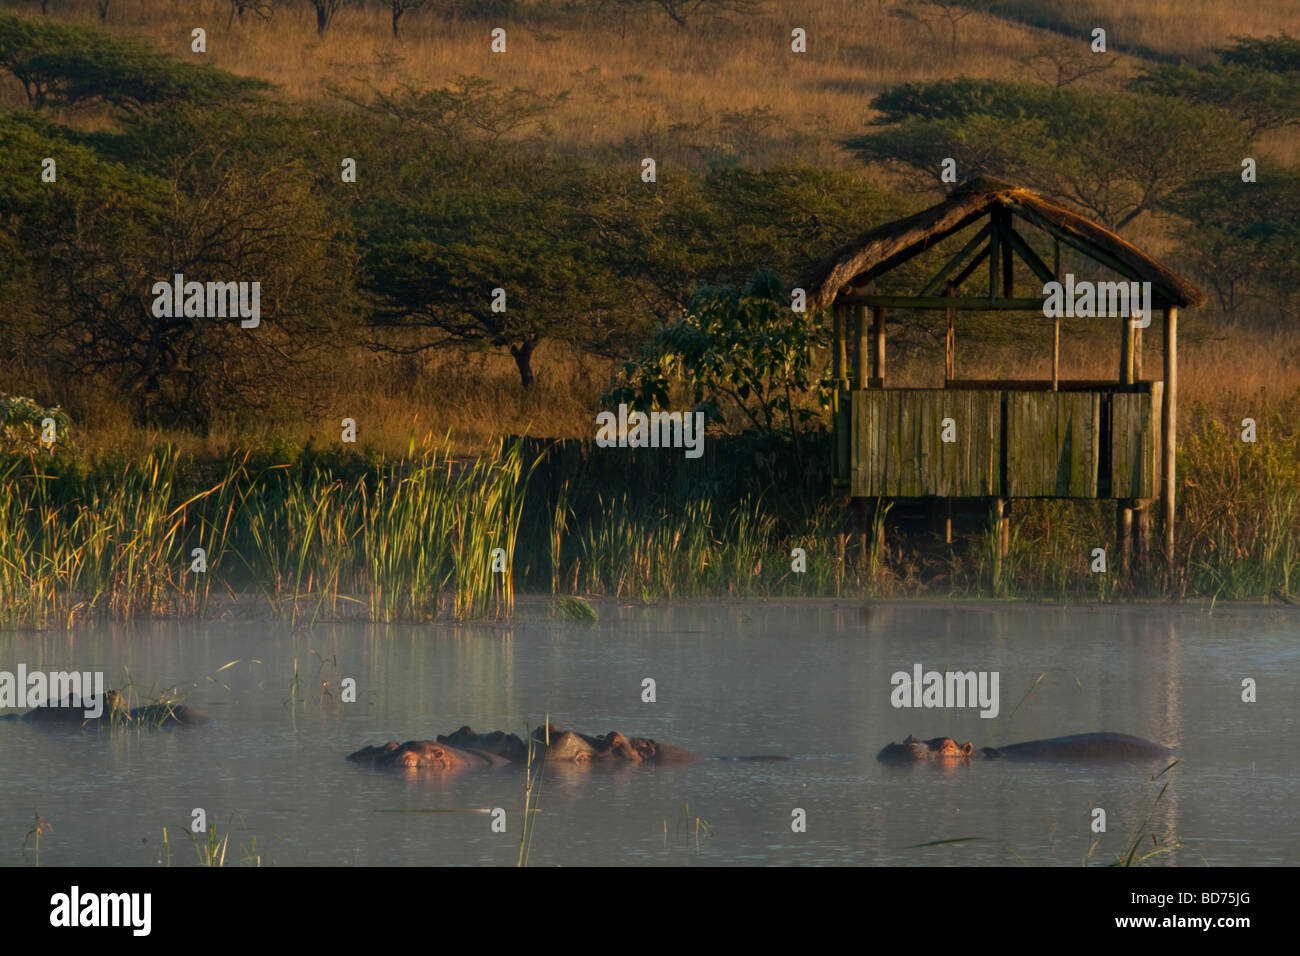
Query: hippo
<point x="424" y="755"/>
<point x="1075" y="748"/>
<point x="72" y="713"/>
<point x="567" y="745"/>
<point x="498" y="743"/>
<point x="464" y="749"/>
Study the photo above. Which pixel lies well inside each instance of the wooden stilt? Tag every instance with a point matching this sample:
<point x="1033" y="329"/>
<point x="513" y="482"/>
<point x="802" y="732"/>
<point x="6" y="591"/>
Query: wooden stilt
<point x="864" y="534"/>
<point x="1124" y="506"/>
<point x="950" y="347"/>
<point x="1003" y="510"/>
<point x="1056" y="353"/>
<point x="1126" y="351"/>
<point x="879" y="365"/>
<point x="1168" y="437"/>
<point x="1123" y="535"/>
<point x="860" y="356"/>
<point x="839" y="357"/>
<point x="1142" y="538"/>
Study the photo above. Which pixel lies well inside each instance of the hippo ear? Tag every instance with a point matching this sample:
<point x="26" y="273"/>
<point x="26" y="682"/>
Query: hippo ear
<point x="911" y="740"/>
<point x="967" y="748"/>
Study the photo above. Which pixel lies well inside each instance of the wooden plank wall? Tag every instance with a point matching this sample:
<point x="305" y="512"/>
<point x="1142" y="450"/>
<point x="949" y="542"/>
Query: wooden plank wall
<point x="1135" y="442"/>
<point x="898" y="448"/>
<point x="1052" y="442"/>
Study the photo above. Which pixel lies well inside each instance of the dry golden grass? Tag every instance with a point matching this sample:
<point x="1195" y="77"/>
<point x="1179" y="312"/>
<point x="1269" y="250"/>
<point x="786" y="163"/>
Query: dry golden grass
<point x="476" y="396"/>
<point x="1183" y="27"/>
<point x="659" y="85"/>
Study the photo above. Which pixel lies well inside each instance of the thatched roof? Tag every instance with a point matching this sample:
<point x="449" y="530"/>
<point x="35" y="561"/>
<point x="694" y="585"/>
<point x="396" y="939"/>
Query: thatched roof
<point x="885" y="247"/>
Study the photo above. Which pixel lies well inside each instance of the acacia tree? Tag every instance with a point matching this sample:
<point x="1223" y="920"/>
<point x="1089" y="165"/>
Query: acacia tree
<point x="1062" y="61"/>
<point x="1256" y="79"/>
<point x="62" y="65"/>
<point x="262" y="9"/>
<point x="399" y="8"/>
<point x="467" y="208"/>
<point x="1243" y="240"/>
<point x="91" y="246"/>
<point x="438" y="248"/>
<point x="1115" y="155"/>
<point x="951" y="11"/>
<point x="326" y="11"/>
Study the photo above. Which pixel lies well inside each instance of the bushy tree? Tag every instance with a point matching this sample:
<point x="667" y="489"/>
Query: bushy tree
<point x="740" y="353"/>
<point x="89" y="247"/>
<point x="1243" y="240"/>
<point x="1256" y="79"/>
<point x="1114" y="155"/>
<point x="61" y="65"/>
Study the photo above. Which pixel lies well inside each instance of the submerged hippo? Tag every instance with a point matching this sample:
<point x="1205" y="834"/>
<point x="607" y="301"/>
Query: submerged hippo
<point x="1078" y="747"/>
<point x="72" y="713"/>
<point x="569" y="745"/>
<point x="424" y="755"/>
<point x="465" y="749"/>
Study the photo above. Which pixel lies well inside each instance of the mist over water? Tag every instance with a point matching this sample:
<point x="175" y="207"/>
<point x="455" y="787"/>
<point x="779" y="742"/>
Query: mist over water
<point x="810" y="680"/>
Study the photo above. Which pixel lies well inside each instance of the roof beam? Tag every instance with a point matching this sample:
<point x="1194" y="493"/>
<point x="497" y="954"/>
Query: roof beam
<point x="1036" y="265"/>
<point x="973" y="303"/>
<point x="935" y="284"/>
<point x="1082" y="245"/>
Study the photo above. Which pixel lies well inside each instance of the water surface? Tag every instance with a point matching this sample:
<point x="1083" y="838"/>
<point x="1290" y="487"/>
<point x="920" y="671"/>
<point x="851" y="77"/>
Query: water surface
<point x="808" y="680"/>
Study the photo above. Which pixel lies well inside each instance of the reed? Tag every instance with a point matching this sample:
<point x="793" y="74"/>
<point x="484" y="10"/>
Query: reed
<point x="415" y="538"/>
<point x="116" y="539"/>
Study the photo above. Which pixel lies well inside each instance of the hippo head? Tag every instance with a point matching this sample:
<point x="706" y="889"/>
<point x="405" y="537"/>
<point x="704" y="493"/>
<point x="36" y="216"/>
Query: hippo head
<point x="942" y="748"/>
<point x="498" y="743"/>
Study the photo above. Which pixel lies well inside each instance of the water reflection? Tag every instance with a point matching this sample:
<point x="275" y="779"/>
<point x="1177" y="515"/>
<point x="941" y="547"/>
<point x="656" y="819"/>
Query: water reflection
<point x="808" y="681"/>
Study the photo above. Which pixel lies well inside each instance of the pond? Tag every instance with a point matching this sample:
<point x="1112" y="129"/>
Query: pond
<point x="811" y="680"/>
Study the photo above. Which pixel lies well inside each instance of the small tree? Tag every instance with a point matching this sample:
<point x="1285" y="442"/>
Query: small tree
<point x="326" y="11"/>
<point x="262" y="9"/>
<point x="1064" y="61"/>
<point x="737" y="352"/>
<point x="399" y="8"/>
<point x="951" y="11"/>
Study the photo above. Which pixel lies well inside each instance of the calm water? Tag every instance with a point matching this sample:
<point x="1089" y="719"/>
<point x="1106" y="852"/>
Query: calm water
<point x="811" y="681"/>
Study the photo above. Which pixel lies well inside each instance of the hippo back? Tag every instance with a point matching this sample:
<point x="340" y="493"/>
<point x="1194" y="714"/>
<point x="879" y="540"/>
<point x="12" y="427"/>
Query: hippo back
<point x="1083" y="747"/>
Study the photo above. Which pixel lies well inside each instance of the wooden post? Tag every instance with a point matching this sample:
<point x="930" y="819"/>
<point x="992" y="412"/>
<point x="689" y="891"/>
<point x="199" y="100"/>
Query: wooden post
<point x="880" y="343"/>
<point x="1137" y="354"/>
<point x="947" y="520"/>
<point x="1008" y="271"/>
<point x="1004" y="533"/>
<point x="1002" y="509"/>
<point x="1168" y="435"/>
<point x="1056" y="354"/>
<point x="864" y="535"/>
<point x="1142" y="539"/>
<point x="1123" y="534"/>
<point x="950" y="355"/>
<point x="994" y="246"/>
<point x="1124" y="506"/>
<point x="1126" y="351"/>
<point x="839" y="357"/>
<point x="860" y="362"/>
